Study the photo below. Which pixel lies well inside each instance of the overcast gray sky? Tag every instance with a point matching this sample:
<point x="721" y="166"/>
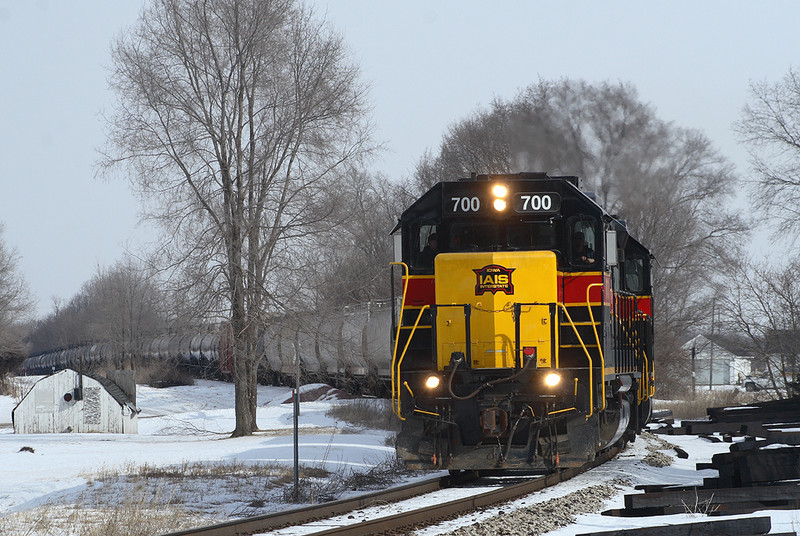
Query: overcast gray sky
<point x="429" y="63"/>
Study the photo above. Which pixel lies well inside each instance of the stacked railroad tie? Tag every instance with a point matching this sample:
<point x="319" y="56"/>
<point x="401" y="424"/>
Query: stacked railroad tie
<point x="760" y="472"/>
<point x="756" y="419"/>
<point x="728" y="527"/>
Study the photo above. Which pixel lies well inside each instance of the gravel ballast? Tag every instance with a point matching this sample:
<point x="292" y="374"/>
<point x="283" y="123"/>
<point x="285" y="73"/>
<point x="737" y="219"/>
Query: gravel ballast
<point x="542" y="517"/>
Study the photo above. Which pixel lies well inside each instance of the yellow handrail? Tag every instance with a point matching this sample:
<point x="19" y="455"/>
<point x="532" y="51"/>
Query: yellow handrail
<point x="597" y="338"/>
<point x="652" y="386"/>
<point x="397" y="335"/>
<point x="588" y="356"/>
<point x="561" y="411"/>
<point x="644" y="389"/>
<point x="400" y="362"/>
<point x="649" y="390"/>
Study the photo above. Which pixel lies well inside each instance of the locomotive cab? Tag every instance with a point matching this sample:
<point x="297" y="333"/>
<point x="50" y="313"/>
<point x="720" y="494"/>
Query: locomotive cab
<point x="523" y="337"/>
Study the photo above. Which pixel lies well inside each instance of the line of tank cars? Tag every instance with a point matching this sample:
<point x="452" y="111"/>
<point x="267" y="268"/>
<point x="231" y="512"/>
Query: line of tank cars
<point x="349" y="350"/>
<point x="198" y="350"/>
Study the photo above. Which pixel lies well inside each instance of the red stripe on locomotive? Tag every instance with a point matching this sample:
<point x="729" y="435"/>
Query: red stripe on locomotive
<point x="571" y="290"/>
<point x="645" y="305"/>
<point x="420" y="291"/>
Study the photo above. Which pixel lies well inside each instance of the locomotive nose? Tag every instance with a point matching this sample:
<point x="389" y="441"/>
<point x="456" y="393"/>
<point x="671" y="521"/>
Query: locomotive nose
<point x="489" y="283"/>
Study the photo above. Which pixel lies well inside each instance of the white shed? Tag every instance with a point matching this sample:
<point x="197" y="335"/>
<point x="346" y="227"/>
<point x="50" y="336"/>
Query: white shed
<point x="69" y="402"/>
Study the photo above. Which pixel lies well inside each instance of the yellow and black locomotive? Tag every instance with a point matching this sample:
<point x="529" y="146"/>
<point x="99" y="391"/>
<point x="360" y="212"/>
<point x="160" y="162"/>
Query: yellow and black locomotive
<point x="525" y="333"/>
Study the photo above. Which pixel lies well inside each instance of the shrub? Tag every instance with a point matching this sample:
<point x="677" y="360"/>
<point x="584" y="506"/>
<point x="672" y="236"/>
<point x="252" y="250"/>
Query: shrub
<point x="373" y="413"/>
<point x="163" y="375"/>
<point x="696" y="409"/>
<point x="135" y="514"/>
<point x="13" y="387"/>
<point x="6" y="385"/>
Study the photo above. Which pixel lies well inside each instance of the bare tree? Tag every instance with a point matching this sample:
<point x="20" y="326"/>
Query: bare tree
<point x="62" y="327"/>
<point x="668" y="182"/>
<point x="764" y="307"/>
<point x="236" y="117"/>
<point x="15" y="308"/>
<point x="355" y="255"/>
<point x="770" y="126"/>
<point x="127" y="306"/>
<point x="122" y="305"/>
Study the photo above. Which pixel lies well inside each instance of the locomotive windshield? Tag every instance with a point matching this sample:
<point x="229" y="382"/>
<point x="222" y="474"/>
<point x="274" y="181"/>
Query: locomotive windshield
<point x="531" y="235"/>
<point x="513" y="236"/>
<point x="575" y="242"/>
<point x="474" y="236"/>
<point x="540" y="214"/>
<point x="482" y="236"/>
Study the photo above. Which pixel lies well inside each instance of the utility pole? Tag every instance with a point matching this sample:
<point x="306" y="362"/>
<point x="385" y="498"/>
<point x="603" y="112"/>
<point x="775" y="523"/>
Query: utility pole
<point x="296" y="401"/>
<point x="694" y="356"/>
<point x="711" y="355"/>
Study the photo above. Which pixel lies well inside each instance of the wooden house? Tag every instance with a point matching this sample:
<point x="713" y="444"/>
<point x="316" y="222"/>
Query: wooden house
<point x="720" y="360"/>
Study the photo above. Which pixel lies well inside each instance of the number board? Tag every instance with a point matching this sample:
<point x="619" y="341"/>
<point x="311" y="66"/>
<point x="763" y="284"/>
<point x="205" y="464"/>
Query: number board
<point x="464" y="204"/>
<point x="466" y="200"/>
<point x="536" y="202"/>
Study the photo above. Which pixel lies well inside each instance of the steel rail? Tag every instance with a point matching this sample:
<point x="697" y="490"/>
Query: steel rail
<point x="298" y="516"/>
<point x="397" y="521"/>
<point x="461" y="506"/>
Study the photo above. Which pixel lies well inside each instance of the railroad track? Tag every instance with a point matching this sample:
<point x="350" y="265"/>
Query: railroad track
<point x="425" y="515"/>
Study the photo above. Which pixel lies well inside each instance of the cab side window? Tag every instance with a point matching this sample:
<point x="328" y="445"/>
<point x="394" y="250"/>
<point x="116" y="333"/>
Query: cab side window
<point x="425" y="247"/>
<point x="582" y="241"/>
<point x="634" y="275"/>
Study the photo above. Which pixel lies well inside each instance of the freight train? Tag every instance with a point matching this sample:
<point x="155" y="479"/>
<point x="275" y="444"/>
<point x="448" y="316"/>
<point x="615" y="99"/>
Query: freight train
<point x="198" y="351"/>
<point x="348" y="348"/>
<point x="524" y="338"/>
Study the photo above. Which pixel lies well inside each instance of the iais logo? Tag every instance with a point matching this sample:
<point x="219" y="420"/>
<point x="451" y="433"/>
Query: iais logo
<point x="493" y="278"/>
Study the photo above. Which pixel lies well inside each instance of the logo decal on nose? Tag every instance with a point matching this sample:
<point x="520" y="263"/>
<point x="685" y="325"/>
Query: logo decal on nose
<point x="493" y="278"/>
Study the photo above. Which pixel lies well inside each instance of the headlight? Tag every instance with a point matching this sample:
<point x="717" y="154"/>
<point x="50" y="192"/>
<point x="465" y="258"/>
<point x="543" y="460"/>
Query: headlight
<point x="552" y="379"/>
<point x="432" y="381"/>
<point x="499" y="190"/>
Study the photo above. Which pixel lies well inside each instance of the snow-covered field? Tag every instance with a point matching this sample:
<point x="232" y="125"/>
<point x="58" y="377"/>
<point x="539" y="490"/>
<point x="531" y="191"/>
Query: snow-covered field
<point x="183" y="428"/>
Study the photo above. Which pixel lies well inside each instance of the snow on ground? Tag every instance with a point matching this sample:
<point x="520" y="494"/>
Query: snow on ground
<point x="179" y="426"/>
<point x="186" y="425"/>
<point x="623" y="473"/>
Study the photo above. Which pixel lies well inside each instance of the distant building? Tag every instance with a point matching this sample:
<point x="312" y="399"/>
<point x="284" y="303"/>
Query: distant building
<point x="720" y="360"/>
<point x="782" y="349"/>
<point x="69" y="402"/>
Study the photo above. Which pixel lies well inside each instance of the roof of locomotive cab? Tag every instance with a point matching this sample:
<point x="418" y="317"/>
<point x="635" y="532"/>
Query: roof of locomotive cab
<point x="428" y="206"/>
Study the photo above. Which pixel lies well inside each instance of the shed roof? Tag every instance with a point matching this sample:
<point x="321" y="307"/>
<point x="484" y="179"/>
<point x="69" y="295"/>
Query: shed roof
<point x="734" y="344"/>
<point x="111" y="388"/>
<point x="114" y="390"/>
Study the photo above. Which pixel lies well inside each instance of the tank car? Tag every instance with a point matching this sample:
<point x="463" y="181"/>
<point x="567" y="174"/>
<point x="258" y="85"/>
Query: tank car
<point x="524" y="336"/>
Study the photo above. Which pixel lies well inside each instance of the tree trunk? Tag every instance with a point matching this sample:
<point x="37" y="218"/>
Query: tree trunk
<point x="242" y="365"/>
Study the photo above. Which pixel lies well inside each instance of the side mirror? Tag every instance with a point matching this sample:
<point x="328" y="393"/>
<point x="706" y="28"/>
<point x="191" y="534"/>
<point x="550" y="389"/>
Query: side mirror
<point x="398" y="247"/>
<point x="611" y="248"/>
